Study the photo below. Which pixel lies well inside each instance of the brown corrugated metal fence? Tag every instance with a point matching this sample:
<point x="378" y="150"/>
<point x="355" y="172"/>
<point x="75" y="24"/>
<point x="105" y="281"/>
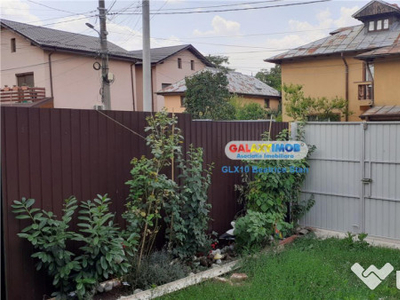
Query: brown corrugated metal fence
<point x="50" y="154"/>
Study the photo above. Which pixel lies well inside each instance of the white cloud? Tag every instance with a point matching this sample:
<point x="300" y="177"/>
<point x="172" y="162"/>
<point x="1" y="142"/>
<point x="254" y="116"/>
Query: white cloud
<point x="220" y="26"/>
<point x="345" y="17"/>
<point x="19" y="11"/>
<point x="304" y="32"/>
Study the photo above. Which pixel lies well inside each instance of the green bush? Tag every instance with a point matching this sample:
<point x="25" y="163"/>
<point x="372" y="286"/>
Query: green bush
<point x="252" y="111"/>
<point x="271" y="192"/>
<point x="189" y="218"/>
<point x="254" y="229"/>
<point x="102" y="251"/>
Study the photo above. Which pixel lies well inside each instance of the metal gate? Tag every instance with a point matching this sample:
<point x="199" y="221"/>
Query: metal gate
<point x="355" y="177"/>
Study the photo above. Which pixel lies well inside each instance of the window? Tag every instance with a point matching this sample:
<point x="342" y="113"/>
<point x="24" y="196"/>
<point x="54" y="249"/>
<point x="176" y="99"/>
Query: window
<point x="266" y="103"/>
<point x="192" y="65"/>
<point x="13" y="45"/>
<point x="386" y="24"/>
<point x="182" y="101"/>
<point x="179" y="63"/>
<point x="371" y="26"/>
<point x="164" y="85"/>
<point x="367" y="74"/>
<point x="379" y="25"/>
<point x="25" y="79"/>
<point x="372" y="70"/>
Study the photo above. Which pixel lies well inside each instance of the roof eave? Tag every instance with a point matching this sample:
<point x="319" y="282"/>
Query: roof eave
<point x="86" y="53"/>
<point x="192" y="49"/>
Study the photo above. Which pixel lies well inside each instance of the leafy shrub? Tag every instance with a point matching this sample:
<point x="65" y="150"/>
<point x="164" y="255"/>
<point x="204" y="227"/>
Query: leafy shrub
<point x="49" y="236"/>
<point x="207" y="96"/>
<point x="156" y="269"/>
<point x="102" y="251"/>
<point x="271" y="192"/>
<point x="189" y="218"/>
<point x="252" y="111"/>
<point x="150" y="190"/>
<point x="152" y="194"/>
<point x="247" y="111"/>
<point x="103" y="254"/>
<point x="254" y="229"/>
<point x="302" y="108"/>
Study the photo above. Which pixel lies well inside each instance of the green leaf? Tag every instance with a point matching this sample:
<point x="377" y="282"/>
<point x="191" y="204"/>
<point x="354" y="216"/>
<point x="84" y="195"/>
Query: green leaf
<point x="30" y="202"/>
<point x="21" y="217"/>
<point x="103" y="263"/>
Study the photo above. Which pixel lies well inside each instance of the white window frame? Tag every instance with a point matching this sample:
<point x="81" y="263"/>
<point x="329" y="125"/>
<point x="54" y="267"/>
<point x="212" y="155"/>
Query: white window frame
<point x="371" y="26"/>
<point x="379" y="25"/>
<point x="385" y="24"/>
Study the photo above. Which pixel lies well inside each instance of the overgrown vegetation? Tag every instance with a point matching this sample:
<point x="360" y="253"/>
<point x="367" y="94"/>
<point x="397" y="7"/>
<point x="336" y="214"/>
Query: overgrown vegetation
<point x="272" y="77"/>
<point x="102" y="254"/>
<point x="106" y="251"/>
<point x="255" y="229"/>
<point x="207" y="96"/>
<point x="302" y="108"/>
<point x="221" y="62"/>
<point x="307" y="269"/>
<point x="189" y="221"/>
<point x="156" y="269"/>
<point x="153" y="195"/>
<point x="272" y="193"/>
<point x="248" y="111"/>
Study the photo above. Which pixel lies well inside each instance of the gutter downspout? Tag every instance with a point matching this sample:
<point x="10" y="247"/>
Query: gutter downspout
<point x="51" y="76"/>
<point x="373" y="84"/>
<point x="346" y="85"/>
<point x="133" y="89"/>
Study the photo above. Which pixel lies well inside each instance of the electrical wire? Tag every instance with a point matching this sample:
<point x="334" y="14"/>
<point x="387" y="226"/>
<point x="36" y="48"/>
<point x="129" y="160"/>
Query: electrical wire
<point x="223" y="5"/>
<point x="228" y="10"/>
<point x="53" y="8"/>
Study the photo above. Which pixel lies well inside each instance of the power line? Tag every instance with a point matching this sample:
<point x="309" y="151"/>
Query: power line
<point x="53" y="8"/>
<point x="258" y="34"/>
<point x="59" y="22"/>
<point x="228" y="10"/>
<point x="222" y="5"/>
<point x="112" y="5"/>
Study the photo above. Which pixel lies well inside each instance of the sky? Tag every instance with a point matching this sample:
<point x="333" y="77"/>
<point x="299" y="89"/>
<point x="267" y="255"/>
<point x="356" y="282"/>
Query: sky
<point x="246" y="35"/>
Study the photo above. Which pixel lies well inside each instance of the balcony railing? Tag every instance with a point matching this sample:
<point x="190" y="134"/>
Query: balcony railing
<point x="22" y="94"/>
<point x="365" y="91"/>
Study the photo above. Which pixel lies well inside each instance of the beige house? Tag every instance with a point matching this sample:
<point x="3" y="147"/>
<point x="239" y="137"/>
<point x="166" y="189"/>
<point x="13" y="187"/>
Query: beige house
<point x="64" y="66"/>
<point x="248" y="88"/>
<point x="169" y="64"/>
<point x="359" y="63"/>
<point x="63" y="63"/>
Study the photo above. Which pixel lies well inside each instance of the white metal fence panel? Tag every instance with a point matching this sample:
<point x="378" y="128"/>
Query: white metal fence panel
<point x="382" y="166"/>
<point x="355" y="178"/>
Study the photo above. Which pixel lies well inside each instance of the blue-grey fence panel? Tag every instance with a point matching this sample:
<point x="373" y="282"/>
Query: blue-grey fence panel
<point x="354" y="177"/>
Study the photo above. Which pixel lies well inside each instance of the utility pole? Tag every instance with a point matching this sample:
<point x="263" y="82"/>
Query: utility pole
<point x="105" y="84"/>
<point x="147" y="93"/>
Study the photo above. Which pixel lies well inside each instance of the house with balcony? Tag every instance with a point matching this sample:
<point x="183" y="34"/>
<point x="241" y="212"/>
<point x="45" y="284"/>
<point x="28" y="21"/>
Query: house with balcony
<point x="359" y="63"/>
<point x="63" y="66"/>
<point x="44" y="67"/>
